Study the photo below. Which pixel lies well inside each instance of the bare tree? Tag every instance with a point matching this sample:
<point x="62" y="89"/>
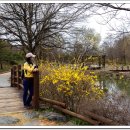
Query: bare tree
<point x="86" y="42"/>
<point x="116" y="17"/>
<point x="34" y="24"/>
<point x="115" y="6"/>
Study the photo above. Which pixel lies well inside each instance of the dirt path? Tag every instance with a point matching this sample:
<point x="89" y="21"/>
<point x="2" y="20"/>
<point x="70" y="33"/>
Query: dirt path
<point x="26" y="118"/>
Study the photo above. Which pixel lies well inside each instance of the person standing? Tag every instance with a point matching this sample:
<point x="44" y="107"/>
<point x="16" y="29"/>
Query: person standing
<point x="28" y="68"/>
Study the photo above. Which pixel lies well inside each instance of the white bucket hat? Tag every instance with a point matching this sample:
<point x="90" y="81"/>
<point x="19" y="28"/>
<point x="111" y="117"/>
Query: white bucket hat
<point x="28" y="55"/>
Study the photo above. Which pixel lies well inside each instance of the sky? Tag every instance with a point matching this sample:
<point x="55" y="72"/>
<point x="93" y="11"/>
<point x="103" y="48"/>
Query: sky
<point x="93" y="23"/>
<point x="96" y="22"/>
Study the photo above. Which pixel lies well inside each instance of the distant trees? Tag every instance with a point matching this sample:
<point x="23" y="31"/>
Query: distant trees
<point x="7" y="55"/>
<point x="116" y="16"/>
<point x="85" y="43"/>
<point x="118" y="51"/>
<point x="82" y="42"/>
<point x="3" y="47"/>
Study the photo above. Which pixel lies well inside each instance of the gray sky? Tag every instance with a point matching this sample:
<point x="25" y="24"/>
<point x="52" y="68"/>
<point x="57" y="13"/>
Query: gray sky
<point x="119" y="23"/>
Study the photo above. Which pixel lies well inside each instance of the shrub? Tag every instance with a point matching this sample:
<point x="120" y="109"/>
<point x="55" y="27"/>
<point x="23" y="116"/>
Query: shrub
<point x="13" y="62"/>
<point x="68" y="83"/>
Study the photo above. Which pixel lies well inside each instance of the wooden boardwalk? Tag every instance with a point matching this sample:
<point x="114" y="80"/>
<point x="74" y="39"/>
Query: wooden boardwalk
<point x="10" y="100"/>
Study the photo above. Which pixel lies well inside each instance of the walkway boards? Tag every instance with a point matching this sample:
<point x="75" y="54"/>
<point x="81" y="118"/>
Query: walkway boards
<point x="10" y="100"/>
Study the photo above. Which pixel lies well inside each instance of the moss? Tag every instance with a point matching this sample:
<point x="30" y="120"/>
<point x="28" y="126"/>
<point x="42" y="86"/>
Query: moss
<point x="77" y="121"/>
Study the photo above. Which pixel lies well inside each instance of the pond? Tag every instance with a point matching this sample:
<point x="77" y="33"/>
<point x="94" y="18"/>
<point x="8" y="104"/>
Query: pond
<point x="115" y="84"/>
<point x="117" y="98"/>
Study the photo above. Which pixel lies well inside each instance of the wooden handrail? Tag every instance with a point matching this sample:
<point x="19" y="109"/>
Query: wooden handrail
<point x="63" y="105"/>
<point x="104" y="120"/>
<point x="93" y="122"/>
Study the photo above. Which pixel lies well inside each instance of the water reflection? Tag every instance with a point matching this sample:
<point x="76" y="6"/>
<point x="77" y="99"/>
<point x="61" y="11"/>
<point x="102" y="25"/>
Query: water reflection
<point x="115" y="84"/>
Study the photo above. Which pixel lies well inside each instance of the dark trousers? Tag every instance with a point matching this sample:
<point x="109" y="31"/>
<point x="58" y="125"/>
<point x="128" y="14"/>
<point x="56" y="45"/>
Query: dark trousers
<point x="28" y="91"/>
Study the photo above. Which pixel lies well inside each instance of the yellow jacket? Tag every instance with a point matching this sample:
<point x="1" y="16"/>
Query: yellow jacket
<point x="28" y="70"/>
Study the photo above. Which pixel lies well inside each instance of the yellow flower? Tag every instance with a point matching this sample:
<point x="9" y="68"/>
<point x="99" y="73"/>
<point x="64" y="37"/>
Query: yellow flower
<point x="68" y="83"/>
<point x="55" y="81"/>
<point x="121" y="77"/>
<point x="69" y="80"/>
<point x="91" y="72"/>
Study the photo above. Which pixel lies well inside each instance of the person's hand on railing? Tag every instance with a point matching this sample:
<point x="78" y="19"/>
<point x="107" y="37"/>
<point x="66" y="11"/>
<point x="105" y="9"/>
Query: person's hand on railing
<point x="35" y="70"/>
<point x="36" y="66"/>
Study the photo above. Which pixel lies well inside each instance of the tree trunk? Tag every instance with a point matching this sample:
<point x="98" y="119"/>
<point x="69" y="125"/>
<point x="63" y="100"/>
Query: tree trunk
<point x="1" y="66"/>
<point x="124" y="57"/>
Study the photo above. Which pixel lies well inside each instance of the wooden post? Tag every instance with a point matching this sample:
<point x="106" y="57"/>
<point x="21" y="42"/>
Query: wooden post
<point x="36" y="90"/>
<point x="122" y="68"/>
<point x="12" y="72"/>
<point x="99" y="61"/>
<point x="127" y="67"/>
<point x="103" y="60"/>
<point x="15" y="76"/>
<point x="19" y="80"/>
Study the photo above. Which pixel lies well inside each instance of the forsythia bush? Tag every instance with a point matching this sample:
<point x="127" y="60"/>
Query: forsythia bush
<point x="69" y="83"/>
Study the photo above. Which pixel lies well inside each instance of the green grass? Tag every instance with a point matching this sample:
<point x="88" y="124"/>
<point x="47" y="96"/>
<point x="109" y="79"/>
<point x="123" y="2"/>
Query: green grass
<point x="7" y="66"/>
<point x="77" y="121"/>
<point x="80" y="122"/>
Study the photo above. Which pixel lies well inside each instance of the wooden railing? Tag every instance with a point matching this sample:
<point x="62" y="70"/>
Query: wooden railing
<point x="16" y="81"/>
<point x="121" y="68"/>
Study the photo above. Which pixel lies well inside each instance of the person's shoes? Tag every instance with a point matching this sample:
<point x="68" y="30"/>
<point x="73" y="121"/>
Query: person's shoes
<point x="25" y="106"/>
<point x="29" y="106"/>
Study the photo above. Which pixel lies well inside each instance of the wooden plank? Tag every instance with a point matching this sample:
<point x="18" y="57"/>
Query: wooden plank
<point x="10" y="89"/>
<point x="4" y="97"/>
<point x="9" y="95"/>
<point x="3" y="89"/>
<point x="16" y="104"/>
<point x="8" y="92"/>
<point x="12" y="109"/>
<point x="11" y="100"/>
